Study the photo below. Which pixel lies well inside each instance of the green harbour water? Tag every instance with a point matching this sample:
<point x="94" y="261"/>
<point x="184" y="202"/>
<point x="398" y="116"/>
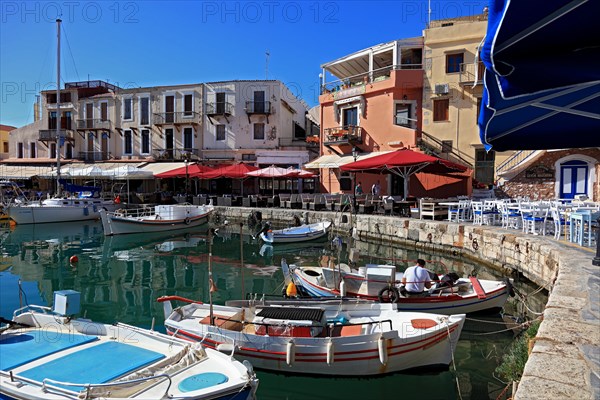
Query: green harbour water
<point x="121" y="277"/>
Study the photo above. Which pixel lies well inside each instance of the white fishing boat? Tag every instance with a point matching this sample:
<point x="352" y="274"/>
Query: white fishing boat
<point x="295" y="234"/>
<point x="383" y="283"/>
<point x="47" y="354"/>
<point x="161" y="218"/>
<point x="66" y="209"/>
<point x="325" y="338"/>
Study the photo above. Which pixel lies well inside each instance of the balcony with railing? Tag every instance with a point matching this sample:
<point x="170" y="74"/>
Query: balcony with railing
<point x="359" y="83"/>
<point x="176" y="154"/>
<point x="258" y="107"/>
<point x="49" y="135"/>
<point x="219" y="108"/>
<point x="177" y="118"/>
<point x="94" y="155"/>
<point x="471" y="73"/>
<point x="94" y="124"/>
<point x="349" y="134"/>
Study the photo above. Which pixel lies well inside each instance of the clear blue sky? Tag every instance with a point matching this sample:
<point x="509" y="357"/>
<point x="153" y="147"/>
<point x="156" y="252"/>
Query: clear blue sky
<point x="152" y="43"/>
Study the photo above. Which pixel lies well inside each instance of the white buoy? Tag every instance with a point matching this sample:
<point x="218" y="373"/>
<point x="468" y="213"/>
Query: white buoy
<point x="290" y="355"/>
<point x="330" y="351"/>
<point x="342" y="288"/>
<point x="382" y="345"/>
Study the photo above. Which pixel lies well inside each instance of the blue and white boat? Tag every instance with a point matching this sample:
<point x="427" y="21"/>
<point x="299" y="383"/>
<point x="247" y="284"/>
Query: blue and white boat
<point x="47" y="354"/>
<point x="295" y="234"/>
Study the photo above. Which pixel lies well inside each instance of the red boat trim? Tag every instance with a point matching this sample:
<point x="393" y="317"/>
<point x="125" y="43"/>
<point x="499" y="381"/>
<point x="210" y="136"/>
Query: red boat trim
<point x="264" y="354"/>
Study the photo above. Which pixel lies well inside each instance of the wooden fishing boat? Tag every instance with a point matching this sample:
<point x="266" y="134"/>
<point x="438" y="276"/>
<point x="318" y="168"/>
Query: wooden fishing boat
<point x="295" y="234"/>
<point x="161" y="218"/>
<point x="326" y="338"/>
<point x="47" y="354"/>
<point x="383" y="283"/>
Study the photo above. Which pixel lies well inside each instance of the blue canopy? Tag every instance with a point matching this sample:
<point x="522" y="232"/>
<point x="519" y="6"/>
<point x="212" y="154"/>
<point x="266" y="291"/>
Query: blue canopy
<point x="542" y="79"/>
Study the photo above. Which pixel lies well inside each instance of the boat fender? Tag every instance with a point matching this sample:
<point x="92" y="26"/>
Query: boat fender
<point x="291" y="290"/>
<point x="388" y="294"/>
<point x="73" y="259"/>
<point x="509" y="286"/>
<point x="342" y="288"/>
<point x="330" y="352"/>
<point x="187" y="221"/>
<point x="86" y="211"/>
<point x="290" y="354"/>
<point x="382" y="346"/>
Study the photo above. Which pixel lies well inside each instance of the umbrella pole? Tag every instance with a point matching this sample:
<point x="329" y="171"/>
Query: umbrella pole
<point x="242" y="257"/>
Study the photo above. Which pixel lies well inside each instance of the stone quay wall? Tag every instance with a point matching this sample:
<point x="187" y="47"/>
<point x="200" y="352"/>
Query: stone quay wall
<point x="565" y="359"/>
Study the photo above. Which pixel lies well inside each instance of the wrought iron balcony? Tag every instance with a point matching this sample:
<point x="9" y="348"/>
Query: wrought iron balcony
<point x="177" y="118"/>
<point x="349" y="134"/>
<point x="49" y="135"/>
<point x="94" y="124"/>
<point x="471" y="73"/>
<point x="219" y="108"/>
<point x="258" y="107"/>
<point x="94" y="155"/>
<point x="177" y="154"/>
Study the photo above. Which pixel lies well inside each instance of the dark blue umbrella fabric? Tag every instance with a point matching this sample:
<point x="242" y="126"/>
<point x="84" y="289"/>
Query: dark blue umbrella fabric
<point x="542" y="79"/>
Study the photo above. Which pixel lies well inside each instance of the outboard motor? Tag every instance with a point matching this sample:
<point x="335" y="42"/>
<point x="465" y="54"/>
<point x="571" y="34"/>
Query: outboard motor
<point x="448" y="280"/>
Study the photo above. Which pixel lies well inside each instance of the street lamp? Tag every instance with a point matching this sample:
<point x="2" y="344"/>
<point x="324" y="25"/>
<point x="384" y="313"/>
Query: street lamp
<point x="355" y="156"/>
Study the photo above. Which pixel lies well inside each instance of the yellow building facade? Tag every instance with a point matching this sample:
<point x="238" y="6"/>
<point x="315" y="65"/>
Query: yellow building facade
<point x="4" y="142"/>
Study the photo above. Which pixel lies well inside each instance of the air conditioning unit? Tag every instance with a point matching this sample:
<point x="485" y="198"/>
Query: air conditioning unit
<point x="441" y="88"/>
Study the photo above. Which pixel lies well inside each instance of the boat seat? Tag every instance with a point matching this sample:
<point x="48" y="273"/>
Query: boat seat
<point x="98" y="364"/>
<point x="223" y="321"/>
<point x="16" y="350"/>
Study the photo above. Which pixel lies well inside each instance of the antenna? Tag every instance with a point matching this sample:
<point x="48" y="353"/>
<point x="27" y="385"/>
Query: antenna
<point x="267" y="55"/>
<point x="429" y="14"/>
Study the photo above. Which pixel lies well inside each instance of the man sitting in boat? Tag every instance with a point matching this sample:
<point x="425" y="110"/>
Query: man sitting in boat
<point x="416" y="280"/>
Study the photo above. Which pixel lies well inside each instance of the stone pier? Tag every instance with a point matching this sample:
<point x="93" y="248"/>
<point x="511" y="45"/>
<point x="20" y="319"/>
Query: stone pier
<point x="565" y="360"/>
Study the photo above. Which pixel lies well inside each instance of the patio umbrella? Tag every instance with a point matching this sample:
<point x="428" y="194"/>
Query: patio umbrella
<point x="542" y="81"/>
<point x="234" y="171"/>
<point x="270" y="172"/>
<point x="404" y="163"/>
<point x="191" y="171"/>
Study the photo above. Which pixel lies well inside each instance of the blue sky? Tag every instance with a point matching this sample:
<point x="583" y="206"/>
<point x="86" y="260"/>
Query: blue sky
<point x="153" y="43"/>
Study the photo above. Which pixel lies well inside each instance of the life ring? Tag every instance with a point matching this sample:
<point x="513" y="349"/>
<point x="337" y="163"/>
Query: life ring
<point x="388" y="294"/>
<point x="187" y="221"/>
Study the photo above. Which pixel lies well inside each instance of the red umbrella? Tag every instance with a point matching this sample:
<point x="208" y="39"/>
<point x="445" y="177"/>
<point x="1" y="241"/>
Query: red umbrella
<point x="404" y="163"/>
<point x="234" y="171"/>
<point x="191" y="171"/>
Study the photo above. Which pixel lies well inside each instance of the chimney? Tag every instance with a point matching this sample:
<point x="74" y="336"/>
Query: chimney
<point x="36" y="109"/>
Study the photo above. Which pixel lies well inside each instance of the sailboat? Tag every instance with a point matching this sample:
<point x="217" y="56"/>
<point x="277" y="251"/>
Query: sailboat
<point x="58" y="209"/>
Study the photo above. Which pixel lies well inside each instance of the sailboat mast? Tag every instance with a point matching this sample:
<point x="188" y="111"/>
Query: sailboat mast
<point x="58" y="118"/>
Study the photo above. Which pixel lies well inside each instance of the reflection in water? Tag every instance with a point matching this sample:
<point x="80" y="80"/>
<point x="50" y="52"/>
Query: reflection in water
<point x="120" y="278"/>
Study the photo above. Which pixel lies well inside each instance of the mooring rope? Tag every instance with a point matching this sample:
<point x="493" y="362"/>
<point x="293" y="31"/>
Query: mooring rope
<point x="453" y="362"/>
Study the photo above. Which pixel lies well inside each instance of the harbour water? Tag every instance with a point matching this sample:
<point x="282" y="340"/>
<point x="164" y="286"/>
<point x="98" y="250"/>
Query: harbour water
<point x="120" y="278"/>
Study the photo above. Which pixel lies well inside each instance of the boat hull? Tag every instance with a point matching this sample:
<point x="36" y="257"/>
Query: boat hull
<point x="86" y="358"/>
<point x="350" y="355"/>
<point x="447" y="304"/>
<point x="297" y="234"/>
<point x="114" y="224"/>
<point x="47" y="214"/>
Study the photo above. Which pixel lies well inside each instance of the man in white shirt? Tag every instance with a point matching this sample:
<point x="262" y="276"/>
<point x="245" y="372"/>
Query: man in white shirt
<point x="375" y="189"/>
<point x="416" y="279"/>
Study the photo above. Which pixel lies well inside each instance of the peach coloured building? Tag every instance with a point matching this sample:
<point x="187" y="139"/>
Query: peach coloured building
<point x="371" y="103"/>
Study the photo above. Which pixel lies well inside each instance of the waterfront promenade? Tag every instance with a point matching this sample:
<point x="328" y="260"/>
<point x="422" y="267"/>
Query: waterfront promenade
<point x="565" y="358"/>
